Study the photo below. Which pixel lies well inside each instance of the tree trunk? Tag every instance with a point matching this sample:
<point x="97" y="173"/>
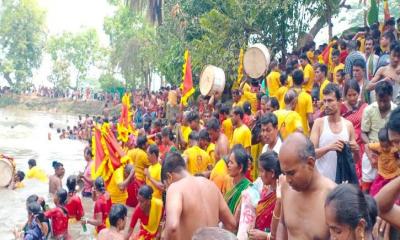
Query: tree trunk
<point x="8" y="79"/>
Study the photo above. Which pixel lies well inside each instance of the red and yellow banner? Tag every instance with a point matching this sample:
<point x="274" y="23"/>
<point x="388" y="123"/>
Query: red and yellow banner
<point x="124" y="125"/>
<point x="187" y="84"/>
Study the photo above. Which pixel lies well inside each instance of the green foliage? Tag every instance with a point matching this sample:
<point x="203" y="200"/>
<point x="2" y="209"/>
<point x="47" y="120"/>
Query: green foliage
<point x="60" y="75"/>
<point x="109" y="83"/>
<point x="79" y="51"/>
<point x="22" y="38"/>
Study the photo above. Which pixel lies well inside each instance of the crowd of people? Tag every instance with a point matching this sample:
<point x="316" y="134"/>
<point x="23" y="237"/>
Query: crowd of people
<point x="315" y="144"/>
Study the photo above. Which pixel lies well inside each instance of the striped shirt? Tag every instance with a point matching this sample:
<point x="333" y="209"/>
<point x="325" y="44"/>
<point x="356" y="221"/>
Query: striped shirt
<point x="353" y="56"/>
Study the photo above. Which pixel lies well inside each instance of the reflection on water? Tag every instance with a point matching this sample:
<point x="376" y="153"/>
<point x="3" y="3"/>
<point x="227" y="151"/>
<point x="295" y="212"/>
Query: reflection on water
<point x="23" y="135"/>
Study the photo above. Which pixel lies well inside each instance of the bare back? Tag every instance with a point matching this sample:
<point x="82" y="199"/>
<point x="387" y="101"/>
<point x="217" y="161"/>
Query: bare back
<point x="54" y="184"/>
<point x="304" y="213"/>
<point x="200" y="205"/>
<point x="222" y="147"/>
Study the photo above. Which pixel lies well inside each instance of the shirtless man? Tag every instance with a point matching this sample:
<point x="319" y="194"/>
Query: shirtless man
<point x="390" y="73"/>
<point x="55" y="180"/>
<point x="220" y="140"/>
<point x="117" y="217"/>
<point x="192" y="202"/>
<point x="304" y="191"/>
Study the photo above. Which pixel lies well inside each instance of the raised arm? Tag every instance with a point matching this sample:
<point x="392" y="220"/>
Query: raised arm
<point x="378" y="76"/>
<point x="386" y="199"/>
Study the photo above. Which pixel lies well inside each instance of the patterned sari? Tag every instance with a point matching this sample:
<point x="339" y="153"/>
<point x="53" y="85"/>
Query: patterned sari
<point x="355" y="116"/>
<point x="149" y="231"/>
<point x="265" y="209"/>
<point x="233" y="196"/>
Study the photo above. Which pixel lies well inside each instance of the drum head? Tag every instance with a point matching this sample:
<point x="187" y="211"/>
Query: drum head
<point x="256" y="62"/>
<point x="6" y="173"/>
<point x="207" y="80"/>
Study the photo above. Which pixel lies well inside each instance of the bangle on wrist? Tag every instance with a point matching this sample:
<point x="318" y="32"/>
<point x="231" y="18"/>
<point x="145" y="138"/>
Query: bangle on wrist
<point x="275" y="217"/>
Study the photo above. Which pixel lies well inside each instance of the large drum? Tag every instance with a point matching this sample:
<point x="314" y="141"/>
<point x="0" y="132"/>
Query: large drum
<point x="212" y="80"/>
<point x="6" y="172"/>
<point x="256" y="60"/>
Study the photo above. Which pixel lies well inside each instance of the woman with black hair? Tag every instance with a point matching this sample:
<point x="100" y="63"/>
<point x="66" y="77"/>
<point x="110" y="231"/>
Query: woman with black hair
<point x="149" y="212"/>
<point x="237" y="168"/>
<point x="102" y="205"/>
<point x="74" y="203"/>
<point x="350" y="214"/>
<point x="269" y="206"/>
<point x="59" y="216"/>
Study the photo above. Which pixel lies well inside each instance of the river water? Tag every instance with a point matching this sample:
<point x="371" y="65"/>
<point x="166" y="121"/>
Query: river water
<point x="23" y="135"/>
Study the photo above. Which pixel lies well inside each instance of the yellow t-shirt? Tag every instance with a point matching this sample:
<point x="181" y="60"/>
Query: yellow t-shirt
<point x="321" y="89"/>
<point x="280" y="95"/>
<point x="252" y="99"/>
<point x="289" y="81"/>
<point x="155" y="173"/>
<point x="197" y="160"/>
<point x="37" y="173"/>
<point x="219" y="175"/>
<point x="19" y="185"/>
<point x="239" y="104"/>
<point x="186" y="130"/>
<point x="304" y="106"/>
<point x="210" y="150"/>
<point x="335" y="70"/>
<point x="117" y="196"/>
<point x="308" y="73"/>
<point x="288" y="122"/>
<point x="273" y="83"/>
<point x="141" y="162"/>
<point x="227" y="128"/>
<point x="131" y="155"/>
<point x="362" y="44"/>
<point x="242" y="135"/>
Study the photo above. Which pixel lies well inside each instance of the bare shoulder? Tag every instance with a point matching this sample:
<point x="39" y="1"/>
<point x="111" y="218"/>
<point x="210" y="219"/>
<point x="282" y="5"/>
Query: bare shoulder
<point x="348" y="123"/>
<point x="327" y="184"/>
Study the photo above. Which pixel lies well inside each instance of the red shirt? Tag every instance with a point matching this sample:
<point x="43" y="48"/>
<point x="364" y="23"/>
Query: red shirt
<point x="132" y="189"/>
<point x="138" y="214"/>
<point x="343" y="56"/>
<point x="103" y="206"/>
<point x="74" y="207"/>
<point x="59" y="221"/>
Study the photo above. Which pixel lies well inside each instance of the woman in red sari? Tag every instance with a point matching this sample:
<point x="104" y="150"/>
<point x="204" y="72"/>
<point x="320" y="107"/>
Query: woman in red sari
<point x="352" y="110"/>
<point x="269" y="206"/>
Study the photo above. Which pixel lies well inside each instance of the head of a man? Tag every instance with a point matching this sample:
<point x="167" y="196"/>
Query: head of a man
<point x="118" y="216"/>
<point x="204" y="139"/>
<point x="58" y="169"/>
<point x="297" y="160"/>
<point x="369" y="45"/>
<point x="237" y="116"/>
<point x="31" y="163"/>
<point x="335" y="56"/>
<point x="194" y="121"/>
<point x="269" y="128"/>
<point x="153" y="153"/>
<point x="213" y="129"/>
<point x="384" y="95"/>
<point x="141" y="142"/>
<point x="224" y="112"/>
<point x="321" y="72"/>
<point x="393" y="126"/>
<point x="386" y="39"/>
<point x="236" y="95"/>
<point x="303" y="59"/>
<point x="172" y="169"/>
<point x="213" y="233"/>
<point x="359" y="70"/>
<point x="166" y="136"/>
<point x="332" y="99"/>
<point x="298" y="77"/>
<point x="128" y="169"/>
<point x="395" y="54"/>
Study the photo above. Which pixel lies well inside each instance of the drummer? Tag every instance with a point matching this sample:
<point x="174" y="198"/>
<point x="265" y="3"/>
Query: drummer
<point x="16" y="182"/>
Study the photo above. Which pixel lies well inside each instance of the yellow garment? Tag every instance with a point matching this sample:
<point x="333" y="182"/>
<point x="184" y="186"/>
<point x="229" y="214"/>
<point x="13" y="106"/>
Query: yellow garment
<point x="387" y="161"/>
<point x="310" y="56"/>
<point x="321" y="89"/>
<point x="197" y="160"/>
<point x="186" y="130"/>
<point x="246" y="87"/>
<point x="252" y="99"/>
<point x="141" y="162"/>
<point x="362" y="45"/>
<point x="280" y="95"/>
<point x="304" y="106"/>
<point x="219" y="175"/>
<point x="117" y="196"/>
<point x="240" y="103"/>
<point x="273" y="83"/>
<point x="335" y="70"/>
<point x="255" y="153"/>
<point x="210" y="150"/>
<point x="155" y="174"/>
<point x="241" y="135"/>
<point x="155" y="214"/>
<point x="19" y="185"/>
<point x="131" y="155"/>
<point x="308" y="73"/>
<point x="37" y="173"/>
<point x="227" y="128"/>
<point x="288" y="122"/>
<point x="289" y="81"/>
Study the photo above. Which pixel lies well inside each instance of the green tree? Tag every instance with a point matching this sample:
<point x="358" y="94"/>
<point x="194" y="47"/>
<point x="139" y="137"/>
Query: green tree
<point x="60" y="76"/>
<point x="22" y="38"/>
<point x="79" y="50"/>
<point x="109" y="83"/>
